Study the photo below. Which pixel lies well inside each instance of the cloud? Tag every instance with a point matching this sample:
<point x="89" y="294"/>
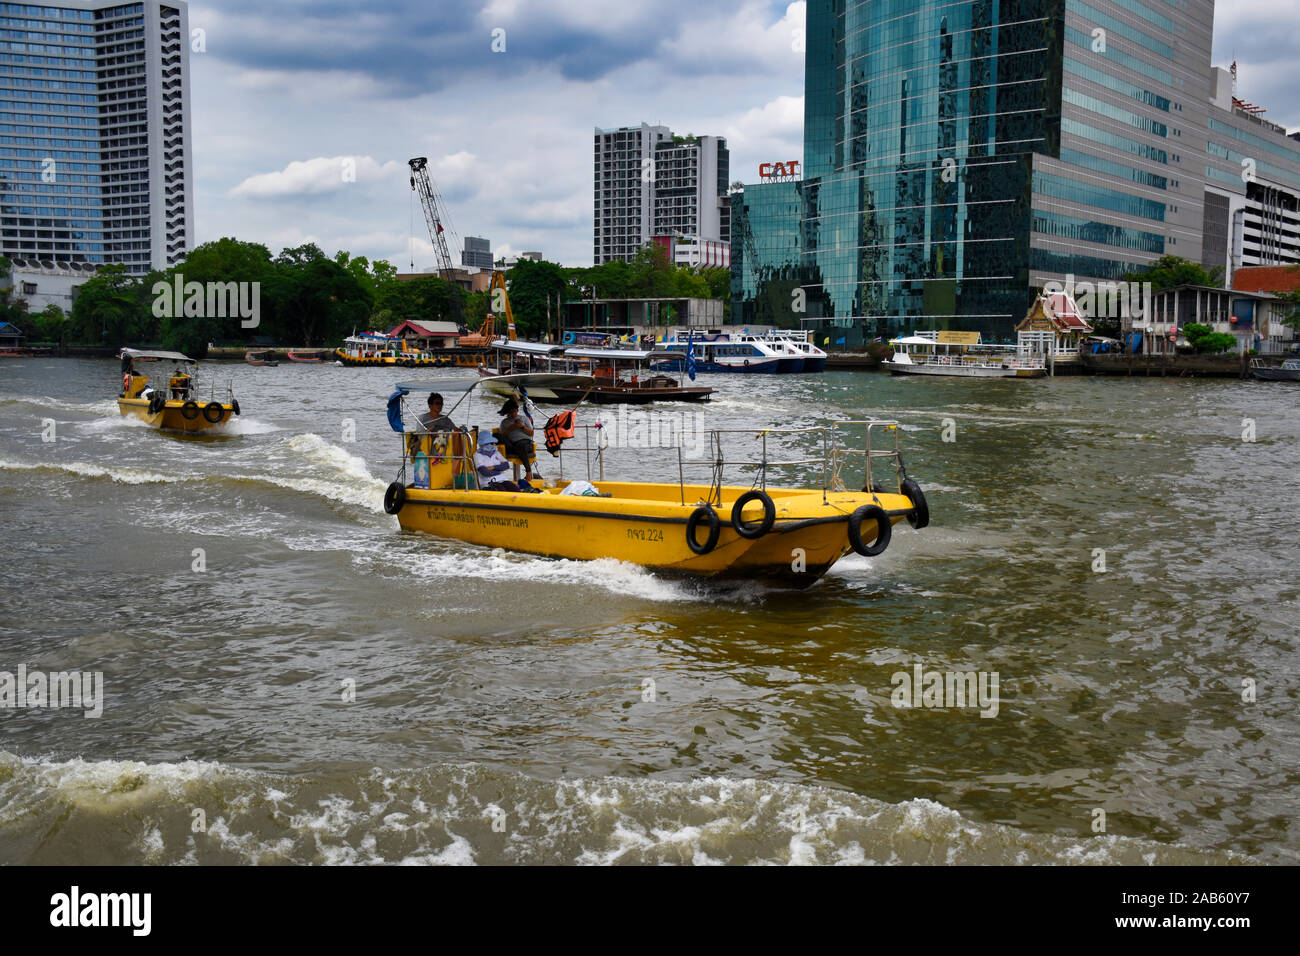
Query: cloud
<point x="320" y="175"/>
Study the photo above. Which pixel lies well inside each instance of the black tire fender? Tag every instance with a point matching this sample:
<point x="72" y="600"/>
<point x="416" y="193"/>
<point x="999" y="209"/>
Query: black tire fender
<point x="764" y="526"/>
<point x="920" y="516"/>
<point x="190" y="410"/>
<point x="211" y="409"/>
<point x="156" y="403"/>
<point x="234" y="405"/>
<point x="884" y="530"/>
<point x="394" y="497"/>
<point x="715" y="527"/>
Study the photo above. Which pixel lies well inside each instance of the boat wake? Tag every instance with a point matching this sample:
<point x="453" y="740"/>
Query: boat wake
<point x="200" y="812"/>
<point x="82" y="469"/>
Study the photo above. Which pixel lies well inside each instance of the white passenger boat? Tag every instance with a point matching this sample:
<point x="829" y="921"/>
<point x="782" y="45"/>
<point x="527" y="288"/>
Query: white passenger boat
<point x="961" y="355"/>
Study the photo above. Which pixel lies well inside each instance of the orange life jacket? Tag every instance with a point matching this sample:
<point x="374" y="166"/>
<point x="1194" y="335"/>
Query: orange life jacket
<point x="558" y="428"/>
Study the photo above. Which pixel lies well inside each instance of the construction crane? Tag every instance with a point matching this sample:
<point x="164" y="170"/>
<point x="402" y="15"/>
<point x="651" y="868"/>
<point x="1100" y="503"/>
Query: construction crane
<point x="431" y="203"/>
<point x="486" y="335"/>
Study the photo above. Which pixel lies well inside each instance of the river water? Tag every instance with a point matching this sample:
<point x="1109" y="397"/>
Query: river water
<point x="287" y="677"/>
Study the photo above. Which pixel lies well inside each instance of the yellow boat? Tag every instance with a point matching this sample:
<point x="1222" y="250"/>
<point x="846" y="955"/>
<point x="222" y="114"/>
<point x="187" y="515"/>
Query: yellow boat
<point x="788" y="537"/>
<point x="178" y="407"/>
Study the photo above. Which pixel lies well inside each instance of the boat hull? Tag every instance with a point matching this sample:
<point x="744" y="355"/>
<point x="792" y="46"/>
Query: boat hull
<point x="963" y="371"/>
<point x="755" y="367"/>
<point x="645" y="524"/>
<point x="1276" y="374"/>
<point x="172" y="416"/>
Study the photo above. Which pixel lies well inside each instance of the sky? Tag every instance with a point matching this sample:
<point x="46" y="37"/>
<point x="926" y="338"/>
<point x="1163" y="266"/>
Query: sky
<point x="304" y="112"/>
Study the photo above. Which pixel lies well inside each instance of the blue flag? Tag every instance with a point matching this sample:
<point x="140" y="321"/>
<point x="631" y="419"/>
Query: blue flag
<point x="395" y="410"/>
<point x="690" y="356"/>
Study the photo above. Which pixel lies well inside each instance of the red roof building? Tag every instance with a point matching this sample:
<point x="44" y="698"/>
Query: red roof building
<point x="1267" y="279"/>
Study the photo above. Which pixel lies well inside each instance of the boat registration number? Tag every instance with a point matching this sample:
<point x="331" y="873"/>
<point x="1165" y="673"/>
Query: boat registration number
<point x="645" y="534"/>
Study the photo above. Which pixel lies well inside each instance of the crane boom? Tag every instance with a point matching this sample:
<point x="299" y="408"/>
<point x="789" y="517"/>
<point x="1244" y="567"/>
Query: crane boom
<point x="430" y="202"/>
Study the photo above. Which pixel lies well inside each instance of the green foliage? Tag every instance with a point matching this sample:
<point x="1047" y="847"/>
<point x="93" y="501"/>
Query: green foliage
<point x="530" y="283"/>
<point x="1205" y="339"/>
<point x="428" y="298"/>
<point x="1169" y="271"/>
<point x="50" y="325"/>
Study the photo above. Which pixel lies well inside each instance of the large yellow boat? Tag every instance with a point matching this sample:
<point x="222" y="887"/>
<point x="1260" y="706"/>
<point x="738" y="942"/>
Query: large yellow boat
<point x="784" y="536"/>
<point x="178" y="406"/>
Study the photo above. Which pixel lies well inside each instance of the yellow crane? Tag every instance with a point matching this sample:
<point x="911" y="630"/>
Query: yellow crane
<point x="484" y="337"/>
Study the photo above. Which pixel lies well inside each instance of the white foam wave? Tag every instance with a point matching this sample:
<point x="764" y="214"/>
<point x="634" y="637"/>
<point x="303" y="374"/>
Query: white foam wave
<point x="246" y="426"/>
<point x="448" y="814"/>
<point x="617" y="577"/>
<point x="82" y="469"/>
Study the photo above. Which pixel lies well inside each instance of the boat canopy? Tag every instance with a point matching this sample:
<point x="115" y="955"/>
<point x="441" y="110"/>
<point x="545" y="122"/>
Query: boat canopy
<point x="456" y="385"/>
<point x="530" y="348"/>
<point x="145" y="355"/>
<point x="623" y="355"/>
<point x="913" y="340"/>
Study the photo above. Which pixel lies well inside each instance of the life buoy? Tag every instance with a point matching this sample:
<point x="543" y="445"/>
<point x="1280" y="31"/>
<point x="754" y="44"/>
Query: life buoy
<point x="394" y="497"/>
<point x="764" y="526"/>
<point x="746" y="363"/>
<point x="213" y="412"/>
<point x="693" y="522"/>
<point x="190" y="410"/>
<point x="126" y="384"/>
<point x="884" y="530"/>
<point x="920" y="516"/>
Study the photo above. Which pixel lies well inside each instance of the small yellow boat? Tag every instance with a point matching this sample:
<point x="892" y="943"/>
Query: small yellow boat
<point x="178" y="407"/>
<point x="788" y="537"/>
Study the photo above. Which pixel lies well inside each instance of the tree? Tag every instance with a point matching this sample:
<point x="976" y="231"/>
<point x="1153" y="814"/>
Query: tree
<point x="1169" y="271"/>
<point x="51" y="325"/>
<point x="530" y="284"/>
<point x="107" y="310"/>
<point x="1205" y="339"/>
<point x="427" y="298"/>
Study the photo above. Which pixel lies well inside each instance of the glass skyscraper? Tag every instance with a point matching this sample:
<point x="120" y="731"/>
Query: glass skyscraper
<point x="958" y="155"/>
<point x="94" y="146"/>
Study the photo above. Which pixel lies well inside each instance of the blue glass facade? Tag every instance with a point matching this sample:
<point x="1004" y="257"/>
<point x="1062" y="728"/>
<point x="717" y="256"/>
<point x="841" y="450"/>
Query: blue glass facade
<point x="960" y="154"/>
<point x="50" y="163"/>
<point x="94" y="149"/>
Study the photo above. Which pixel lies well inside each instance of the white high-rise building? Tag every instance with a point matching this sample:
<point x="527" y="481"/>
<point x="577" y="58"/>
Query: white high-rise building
<point x="650" y="183"/>
<point x="95" y="151"/>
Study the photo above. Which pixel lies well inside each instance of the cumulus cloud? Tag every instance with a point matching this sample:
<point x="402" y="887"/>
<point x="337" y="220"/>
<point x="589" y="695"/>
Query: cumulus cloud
<point x="320" y="175"/>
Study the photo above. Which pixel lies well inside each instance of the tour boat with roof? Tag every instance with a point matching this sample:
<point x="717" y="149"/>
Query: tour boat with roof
<point x="961" y="355"/>
<point x="621" y="376"/>
<point x="179" y="405"/>
<point x="748" y="528"/>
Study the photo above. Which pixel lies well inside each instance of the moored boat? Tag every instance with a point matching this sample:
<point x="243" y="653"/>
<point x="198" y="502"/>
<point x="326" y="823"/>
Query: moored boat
<point x="179" y="405"/>
<point x="1288" y="371"/>
<point x="961" y="355"/>
<point x="622" y="376"/>
<point x="264" y="357"/>
<point x="314" y="357"/>
<point x="751" y="531"/>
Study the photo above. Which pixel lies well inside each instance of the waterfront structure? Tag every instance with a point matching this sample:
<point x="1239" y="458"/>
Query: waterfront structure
<point x="960" y="156"/>
<point x="1254" y="318"/>
<point x="95" y="152"/>
<point x="477" y="253"/>
<point x="45" y="282"/>
<point x="649" y="182"/>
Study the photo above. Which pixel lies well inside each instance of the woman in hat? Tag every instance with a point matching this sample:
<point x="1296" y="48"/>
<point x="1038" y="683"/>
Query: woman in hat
<point x="517" y="435"/>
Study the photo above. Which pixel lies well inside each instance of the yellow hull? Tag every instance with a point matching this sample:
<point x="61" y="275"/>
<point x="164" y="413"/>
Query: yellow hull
<point x="645" y="524"/>
<point x="172" y="416"/>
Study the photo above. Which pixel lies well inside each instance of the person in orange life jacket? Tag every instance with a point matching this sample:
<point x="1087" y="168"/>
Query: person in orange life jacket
<point x="491" y="467"/>
<point x="517" y="435"/>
